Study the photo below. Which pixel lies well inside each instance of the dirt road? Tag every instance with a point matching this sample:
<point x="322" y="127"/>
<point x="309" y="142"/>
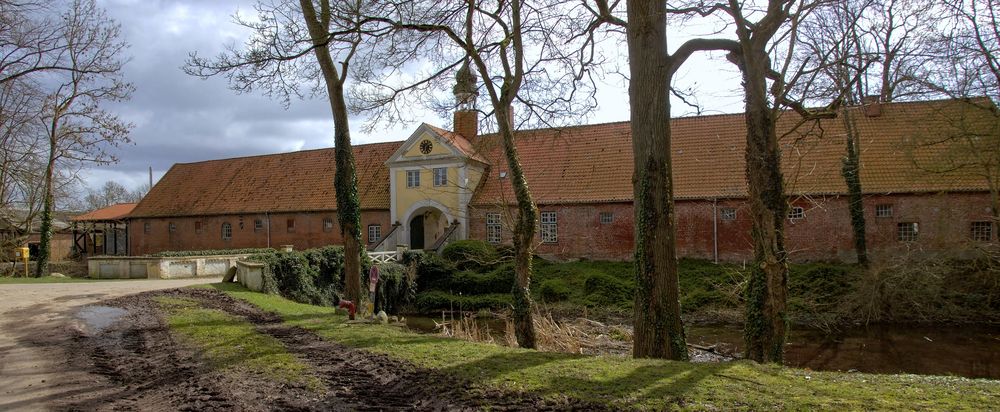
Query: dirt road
<point x="36" y="325"/>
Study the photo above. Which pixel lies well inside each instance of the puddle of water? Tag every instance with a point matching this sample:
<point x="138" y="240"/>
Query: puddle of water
<point x="96" y="318"/>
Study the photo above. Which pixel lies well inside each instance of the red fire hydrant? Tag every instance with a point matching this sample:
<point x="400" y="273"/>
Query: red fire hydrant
<point x="346" y="304"/>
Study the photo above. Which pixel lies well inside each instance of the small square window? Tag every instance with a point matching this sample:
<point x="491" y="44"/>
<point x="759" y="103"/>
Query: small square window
<point x="883" y="210"/>
<point x="147" y="227"/>
<point x="796" y="213"/>
<point x="328" y="224"/>
<point x="981" y="231"/>
<point x="440" y="176"/>
<point x="493" y="228"/>
<point x="607" y="218"/>
<point x="197" y="226"/>
<point x="550" y="229"/>
<point x="412" y="178"/>
<point x="374" y="233"/>
<point x="907" y="231"/>
<point x="172" y="227"/>
<point x="727" y="213"/>
<point x="290" y="224"/>
<point x="258" y="225"/>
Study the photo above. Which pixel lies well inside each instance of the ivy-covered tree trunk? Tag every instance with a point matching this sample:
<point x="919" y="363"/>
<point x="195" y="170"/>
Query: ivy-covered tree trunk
<point x="345" y="180"/>
<point x="851" y="171"/>
<point x="524" y="232"/>
<point x="45" y="237"/>
<point x="766" y="316"/>
<point x="659" y="332"/>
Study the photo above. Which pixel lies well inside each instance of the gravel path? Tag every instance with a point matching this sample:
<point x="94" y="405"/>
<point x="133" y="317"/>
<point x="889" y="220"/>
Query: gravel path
<point x="38" y="323"/>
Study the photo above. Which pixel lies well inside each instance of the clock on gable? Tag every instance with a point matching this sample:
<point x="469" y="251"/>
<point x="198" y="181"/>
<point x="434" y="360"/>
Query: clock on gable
<point x="426" y="146"/>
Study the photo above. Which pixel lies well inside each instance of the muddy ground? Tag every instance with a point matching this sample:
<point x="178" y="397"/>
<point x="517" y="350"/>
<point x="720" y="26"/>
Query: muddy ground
<point x="138" y="365"/>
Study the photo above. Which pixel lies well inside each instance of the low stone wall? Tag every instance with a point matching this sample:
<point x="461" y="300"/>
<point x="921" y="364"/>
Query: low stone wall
<point x="144" y="267"/>
<point x="250" y="275"/>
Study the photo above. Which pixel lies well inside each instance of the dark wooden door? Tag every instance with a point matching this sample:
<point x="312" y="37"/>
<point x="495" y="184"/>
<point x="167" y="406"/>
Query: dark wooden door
<point x="417" y="232"/>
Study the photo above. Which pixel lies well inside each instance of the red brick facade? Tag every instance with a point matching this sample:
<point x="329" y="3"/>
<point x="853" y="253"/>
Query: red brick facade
<point x="309" y="230"/>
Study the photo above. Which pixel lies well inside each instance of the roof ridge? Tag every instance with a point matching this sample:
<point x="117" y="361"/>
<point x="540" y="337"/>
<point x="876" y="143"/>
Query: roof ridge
<point x="355" y="146"/>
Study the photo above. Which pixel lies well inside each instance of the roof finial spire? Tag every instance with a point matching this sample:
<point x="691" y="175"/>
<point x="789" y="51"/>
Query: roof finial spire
<point x="465" y="89"/>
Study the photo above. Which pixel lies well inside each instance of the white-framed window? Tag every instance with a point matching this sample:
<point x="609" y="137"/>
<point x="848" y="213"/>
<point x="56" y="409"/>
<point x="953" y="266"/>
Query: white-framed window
<point x="440" y="176"/>
<point x="374" y="233"/>
<point x="607" y="218"/>
<point x="883" y="210"/>
<point x="328" y="224"/>
<point x="550" y="230"/>
<point x="796" y="212"/>
<point x="258" y="225"/>
<point x="727" y="213"/>
<point x="907" y="231"/>
<point x="493" y="228"/>
<point x="412" y="178"/>
<point x="981" y="231"/>
<point x="227" y="231"/>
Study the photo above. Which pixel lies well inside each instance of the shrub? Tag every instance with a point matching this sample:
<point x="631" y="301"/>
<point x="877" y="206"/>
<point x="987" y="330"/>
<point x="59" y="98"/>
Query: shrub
<point x="291" y="276"/>
<point x="436" y="300"/>
<point x="605" y="290"/>
<point x="430" y="270"/>
<point x="186" y="253"/>
<point x="395" y="287"/>
<point x="554" y="290"/>
<point x="470" y="254"/>
<point x="499" y="280"/>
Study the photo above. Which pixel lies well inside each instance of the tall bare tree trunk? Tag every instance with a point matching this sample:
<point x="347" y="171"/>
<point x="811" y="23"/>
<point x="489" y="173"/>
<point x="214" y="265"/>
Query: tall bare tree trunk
<point x="45" y="235"/>
<point x="345" y="180"/>
<point x="851" y="171"/>
<point x="524" y="232"/>
<point x="659" y="332"/>
<point x="765" y="325"/>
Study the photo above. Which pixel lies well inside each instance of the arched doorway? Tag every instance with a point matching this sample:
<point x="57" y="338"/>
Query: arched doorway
<point x="426" y="225"/>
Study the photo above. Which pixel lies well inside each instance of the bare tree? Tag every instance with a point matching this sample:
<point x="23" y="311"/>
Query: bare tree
<point x="305" y="42"/>
<point x="511" y="46"/>
<point x="111" y="193"/>
<point x="78" y="129"/>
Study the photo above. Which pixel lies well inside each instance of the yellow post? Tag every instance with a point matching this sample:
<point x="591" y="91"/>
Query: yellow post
<point x="24" y="252"/>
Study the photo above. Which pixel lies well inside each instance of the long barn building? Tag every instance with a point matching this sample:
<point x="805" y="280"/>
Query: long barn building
<point x="439" y="185"/>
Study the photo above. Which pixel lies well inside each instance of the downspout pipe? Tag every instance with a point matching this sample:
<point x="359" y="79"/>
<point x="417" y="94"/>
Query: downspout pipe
<point x="715" y="229"/>
<point x="267" y="216"/>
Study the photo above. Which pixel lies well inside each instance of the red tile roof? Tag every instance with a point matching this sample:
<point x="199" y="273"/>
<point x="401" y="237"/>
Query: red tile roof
<point x="284" y="182"/>
<point x="113" y="212"/>
<point x="593" y="163"/>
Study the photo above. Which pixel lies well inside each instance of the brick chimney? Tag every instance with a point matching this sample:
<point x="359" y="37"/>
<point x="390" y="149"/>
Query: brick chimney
<point x="467" y="124"/>
<point x="872" y="105"/>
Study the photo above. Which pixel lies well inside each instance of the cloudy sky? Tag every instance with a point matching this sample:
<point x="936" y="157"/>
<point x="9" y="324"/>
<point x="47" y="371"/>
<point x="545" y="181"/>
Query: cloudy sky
<point x="179" y="118"/>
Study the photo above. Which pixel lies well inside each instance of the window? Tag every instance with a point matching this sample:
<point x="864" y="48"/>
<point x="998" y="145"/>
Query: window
<point x="981" y="231"/>
<point x="258" y="225"/>
<point x="241" y="222"/>
<point x="197" y="226"/>
<point x="328" y="224"/>
<point x="412" y="178"/>
<point x="907" y="231"/>
<point x="493" y="230"/>
<point x="440" y="176"/>
<point x="290" y="224"/>
<point x="227" y="231"/>
<point x="883" y="210"/>
<point x="796" y="213"/>
<point x="727" y="213"/>
<point x="607" y="218"/>
<point x="374" y="233"/>
<point x="147" y="227"/>
<point x="550" y="231"/>
<point x="172" y="227"/>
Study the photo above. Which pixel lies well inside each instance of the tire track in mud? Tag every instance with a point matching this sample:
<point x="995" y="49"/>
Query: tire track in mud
<point x="365" y="381"/>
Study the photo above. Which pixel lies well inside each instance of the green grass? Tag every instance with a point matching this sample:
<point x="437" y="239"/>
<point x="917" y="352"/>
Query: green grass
<point x="4" y="280"/>
<point x="640" y="383"/>
<point x="230" y="342"/>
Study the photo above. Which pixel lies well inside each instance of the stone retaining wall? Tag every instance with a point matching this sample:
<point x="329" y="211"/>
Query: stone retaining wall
<point x="144" y="267"/>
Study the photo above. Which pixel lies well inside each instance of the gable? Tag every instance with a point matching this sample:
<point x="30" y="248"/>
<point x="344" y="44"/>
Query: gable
<point x="424" y="141"/>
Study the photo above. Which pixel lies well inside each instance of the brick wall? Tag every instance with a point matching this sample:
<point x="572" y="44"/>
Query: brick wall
<point x="309" y="231"/>
<point x="824" y="233"/>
